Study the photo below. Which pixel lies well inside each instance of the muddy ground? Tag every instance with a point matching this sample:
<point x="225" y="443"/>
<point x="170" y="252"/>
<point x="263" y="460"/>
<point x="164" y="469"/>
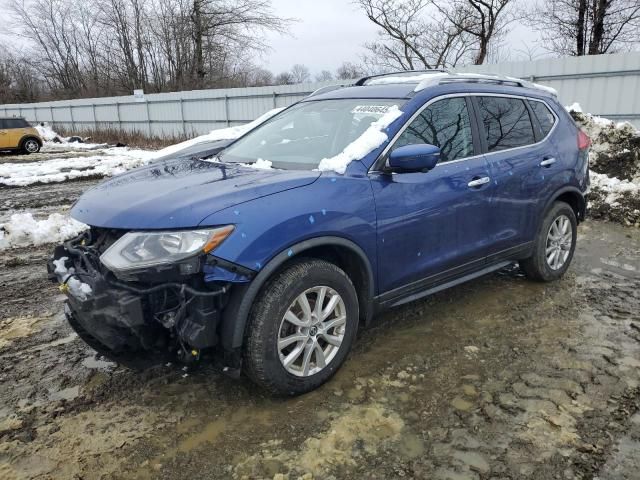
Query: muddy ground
<point x="500" y="378"/>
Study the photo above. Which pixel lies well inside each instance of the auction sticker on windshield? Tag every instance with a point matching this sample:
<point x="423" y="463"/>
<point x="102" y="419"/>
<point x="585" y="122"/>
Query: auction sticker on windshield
<point x="371" y="109"/>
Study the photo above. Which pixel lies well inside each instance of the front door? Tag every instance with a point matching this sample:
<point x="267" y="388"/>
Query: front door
<point x="433" y="224"/>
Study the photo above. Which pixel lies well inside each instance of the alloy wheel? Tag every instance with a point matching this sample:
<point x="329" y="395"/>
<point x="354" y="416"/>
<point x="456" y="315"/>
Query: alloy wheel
<point x="312" y="331"/>
<point x="559" y="241"/>
<point x="31" y="146"/>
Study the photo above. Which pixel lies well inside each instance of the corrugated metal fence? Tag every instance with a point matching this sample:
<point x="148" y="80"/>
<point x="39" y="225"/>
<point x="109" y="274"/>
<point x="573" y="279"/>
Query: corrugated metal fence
<point x="165" y="114"/>
<point x="606" y="85"/>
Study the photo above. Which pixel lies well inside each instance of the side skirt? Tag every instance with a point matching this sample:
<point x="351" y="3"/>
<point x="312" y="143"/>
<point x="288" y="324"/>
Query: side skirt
<point x="401" y="300"/>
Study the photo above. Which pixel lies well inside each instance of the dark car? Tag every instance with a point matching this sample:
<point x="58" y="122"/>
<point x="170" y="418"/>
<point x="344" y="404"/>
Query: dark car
<point x="368" y="197"/>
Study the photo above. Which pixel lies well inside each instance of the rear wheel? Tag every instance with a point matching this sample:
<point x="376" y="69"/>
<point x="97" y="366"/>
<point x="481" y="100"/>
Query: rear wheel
<point x="301" y="328"/>
<point x="554" y="245"/>
<point x="30" y="145"/>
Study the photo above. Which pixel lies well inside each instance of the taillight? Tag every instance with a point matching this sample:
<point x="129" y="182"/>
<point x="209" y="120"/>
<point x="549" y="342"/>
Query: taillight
<point x="584" y="141"/>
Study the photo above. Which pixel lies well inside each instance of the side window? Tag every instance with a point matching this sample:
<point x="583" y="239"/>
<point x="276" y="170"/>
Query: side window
<point x="445" y="124"/>
<point x="14" y="123"/>
<point x="3" y="124"/>
<point x="506" y="123"/>
<point x="544" y="116"/>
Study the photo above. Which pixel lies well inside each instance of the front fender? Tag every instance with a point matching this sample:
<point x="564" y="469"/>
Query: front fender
<point x="237" y="310"/>
<point x="334" y="211"/>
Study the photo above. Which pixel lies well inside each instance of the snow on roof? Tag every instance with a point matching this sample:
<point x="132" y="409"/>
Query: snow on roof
<point x="386" y="80"/>
<point x="366" y="143"/>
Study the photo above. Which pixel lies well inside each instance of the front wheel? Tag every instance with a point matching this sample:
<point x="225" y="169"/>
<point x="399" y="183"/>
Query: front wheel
<point x="554" y="246"/>
<point x="301" y="328"/>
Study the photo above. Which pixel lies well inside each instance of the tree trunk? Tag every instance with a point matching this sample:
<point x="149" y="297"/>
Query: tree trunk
<point x="198" y="36"/>
<point x="599" y="13"/>
<point x="580" y="27"/>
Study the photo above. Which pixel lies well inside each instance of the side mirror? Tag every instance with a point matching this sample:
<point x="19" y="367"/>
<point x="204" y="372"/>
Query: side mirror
<point x="420" y="157"/>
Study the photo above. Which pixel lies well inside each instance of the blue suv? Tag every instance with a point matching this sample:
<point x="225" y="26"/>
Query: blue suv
<point x="268" y="255"/>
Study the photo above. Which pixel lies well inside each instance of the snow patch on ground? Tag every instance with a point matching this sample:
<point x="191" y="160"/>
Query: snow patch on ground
<point x="46" y="132"/>
<point x="229" y="133"/>
<point x="110" y="162"/>
<point x="371" y="139"/>
<point x="23" y="229"/>
<point x="49" y="135"/>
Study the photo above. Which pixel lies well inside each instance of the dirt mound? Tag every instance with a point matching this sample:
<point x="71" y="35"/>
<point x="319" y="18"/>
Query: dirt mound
<point x="616" y="146"/>
<point x="614" y="160"/>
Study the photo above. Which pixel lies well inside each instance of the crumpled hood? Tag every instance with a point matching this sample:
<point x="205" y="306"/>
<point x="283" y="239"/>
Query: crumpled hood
<point x="179" y="193"/>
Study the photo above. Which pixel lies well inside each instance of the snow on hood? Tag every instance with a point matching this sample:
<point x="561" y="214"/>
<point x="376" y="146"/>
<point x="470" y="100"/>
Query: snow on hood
<point x="229" y="133"/>
<point x="22" y="230"/>
<point x="111" y="162"/>
<point x="372" y="138"/>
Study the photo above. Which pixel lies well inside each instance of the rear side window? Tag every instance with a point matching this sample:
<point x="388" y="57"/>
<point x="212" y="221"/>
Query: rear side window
<point x="506" y="123"/>
<point x="14" y="123"/>
<point x="445" y="124"/>
<point x="545" y="118"/>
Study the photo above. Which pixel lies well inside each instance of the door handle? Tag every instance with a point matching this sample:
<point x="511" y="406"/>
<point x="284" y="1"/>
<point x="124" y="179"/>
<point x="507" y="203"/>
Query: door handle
<point x="547" y="162"/>
<point x="478" y="182"/>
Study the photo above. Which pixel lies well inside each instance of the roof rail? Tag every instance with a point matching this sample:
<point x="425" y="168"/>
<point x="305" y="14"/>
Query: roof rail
<point x="403" y="76"/>
<point x="480" y="78"/>
<point x="328" y="88"/>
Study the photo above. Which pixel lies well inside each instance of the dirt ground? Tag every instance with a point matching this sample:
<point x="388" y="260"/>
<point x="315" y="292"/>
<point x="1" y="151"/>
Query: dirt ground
<point x="500" y="378"/>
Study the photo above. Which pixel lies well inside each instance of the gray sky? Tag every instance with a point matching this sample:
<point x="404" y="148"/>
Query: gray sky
<point x="330" y="32"/>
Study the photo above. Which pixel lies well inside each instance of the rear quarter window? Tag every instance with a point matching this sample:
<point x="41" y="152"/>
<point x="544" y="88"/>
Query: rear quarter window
<point x="546" y="119"/>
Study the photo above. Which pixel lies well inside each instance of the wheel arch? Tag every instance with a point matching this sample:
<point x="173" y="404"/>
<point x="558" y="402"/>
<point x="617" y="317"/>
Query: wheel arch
<point x="344" y="253"/>
<point x="28" y="137"/>
<point x="571" y="195"/>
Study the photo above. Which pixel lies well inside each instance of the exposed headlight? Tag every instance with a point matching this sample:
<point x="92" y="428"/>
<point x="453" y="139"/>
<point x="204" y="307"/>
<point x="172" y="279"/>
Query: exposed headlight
<point x="135" y="250"/>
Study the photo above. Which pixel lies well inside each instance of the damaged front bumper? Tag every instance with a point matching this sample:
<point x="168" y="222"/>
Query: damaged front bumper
<point x="143" y="320"/>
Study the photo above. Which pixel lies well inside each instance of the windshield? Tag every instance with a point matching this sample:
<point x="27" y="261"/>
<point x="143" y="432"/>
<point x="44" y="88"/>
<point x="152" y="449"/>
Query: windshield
<point x="300" y="137"/>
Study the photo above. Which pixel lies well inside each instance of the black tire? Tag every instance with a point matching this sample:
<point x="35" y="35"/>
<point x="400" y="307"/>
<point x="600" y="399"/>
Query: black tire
<point x="262" y="362"/>
<point x="537" y="267"/>
<point x="30" y="145"/>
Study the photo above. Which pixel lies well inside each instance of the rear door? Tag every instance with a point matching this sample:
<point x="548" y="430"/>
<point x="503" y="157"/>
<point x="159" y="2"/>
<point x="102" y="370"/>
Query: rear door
<point x="518" y="161"/>
<point x="432" y="225"/>
<point x="5" y="137"/>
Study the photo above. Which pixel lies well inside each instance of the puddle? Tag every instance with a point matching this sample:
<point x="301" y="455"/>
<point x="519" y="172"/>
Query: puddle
<point x="55" y="343"/>
<point x="98" y="363"/>
<point x="65" y="394"/>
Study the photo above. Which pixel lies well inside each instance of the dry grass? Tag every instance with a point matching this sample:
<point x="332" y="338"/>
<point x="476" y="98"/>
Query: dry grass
<point x="113" y="136"/>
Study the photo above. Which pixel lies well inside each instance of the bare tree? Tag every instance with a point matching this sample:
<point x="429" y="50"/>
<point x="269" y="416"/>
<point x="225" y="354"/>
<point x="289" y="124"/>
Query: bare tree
<point x="261" y="77"/>
<point x="300" y="73"/>
<point x="349" y="70"/>
<point x="284" y="78"/>
<point x="109" y="47"/>
<point x="425" y="34"/>
<point x="481" y="21"/>
<point x="587" y="27"/>
<point x="324" y="76"/>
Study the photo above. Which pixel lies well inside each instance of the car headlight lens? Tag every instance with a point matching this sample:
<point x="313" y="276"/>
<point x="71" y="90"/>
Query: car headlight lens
<point x="135" y="250"/>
